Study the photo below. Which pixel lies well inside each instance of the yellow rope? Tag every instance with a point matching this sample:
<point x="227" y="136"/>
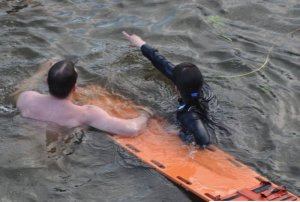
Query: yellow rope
<point x="267" y="60"/>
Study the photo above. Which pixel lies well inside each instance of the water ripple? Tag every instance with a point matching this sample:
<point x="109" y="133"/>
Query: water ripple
<point x="260" y="112"/>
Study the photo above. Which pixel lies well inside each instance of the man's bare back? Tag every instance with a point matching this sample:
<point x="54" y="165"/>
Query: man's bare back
<point x="64" y="112"/>
<point x="48" y="108"/>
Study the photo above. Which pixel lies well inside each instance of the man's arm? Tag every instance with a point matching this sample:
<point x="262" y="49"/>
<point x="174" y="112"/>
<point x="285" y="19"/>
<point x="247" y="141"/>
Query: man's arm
<point x="100" y="119"/>
<point x="158" y="61"/>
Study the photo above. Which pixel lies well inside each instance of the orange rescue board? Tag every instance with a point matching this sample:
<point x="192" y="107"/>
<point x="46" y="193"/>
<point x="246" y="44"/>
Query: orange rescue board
<point x="211" y="174"/>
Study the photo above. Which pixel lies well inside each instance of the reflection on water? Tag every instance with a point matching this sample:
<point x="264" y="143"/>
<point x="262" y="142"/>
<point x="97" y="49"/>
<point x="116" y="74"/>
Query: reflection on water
<point x="61" y="141"/>
<point x="260" y="112"/>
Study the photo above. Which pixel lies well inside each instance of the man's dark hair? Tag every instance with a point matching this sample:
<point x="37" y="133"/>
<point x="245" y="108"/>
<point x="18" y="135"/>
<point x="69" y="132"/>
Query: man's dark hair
<point x="189" y="81"/>
<point x="61" y="79"/>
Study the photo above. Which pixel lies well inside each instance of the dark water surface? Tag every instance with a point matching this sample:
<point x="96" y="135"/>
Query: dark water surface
<point x="260" y="112"/>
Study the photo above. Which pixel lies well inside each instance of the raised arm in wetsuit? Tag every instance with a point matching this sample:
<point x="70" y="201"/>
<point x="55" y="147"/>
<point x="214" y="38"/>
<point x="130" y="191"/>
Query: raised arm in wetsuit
<point x="190" y="116"/>
<point x="158" y="61"/>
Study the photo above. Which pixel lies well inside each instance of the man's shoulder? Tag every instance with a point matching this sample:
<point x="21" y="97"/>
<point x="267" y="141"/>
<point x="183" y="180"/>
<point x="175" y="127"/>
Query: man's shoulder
<point x="26" y="96"/>
<point x="30" y="92"/>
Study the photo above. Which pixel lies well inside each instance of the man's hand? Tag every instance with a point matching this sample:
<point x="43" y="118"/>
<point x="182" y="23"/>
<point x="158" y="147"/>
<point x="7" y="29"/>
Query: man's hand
<point x="32" y="82"/>
<point x="145" y="111"/>
<point x="47" y="64"/>
<point x="134" y="39"/>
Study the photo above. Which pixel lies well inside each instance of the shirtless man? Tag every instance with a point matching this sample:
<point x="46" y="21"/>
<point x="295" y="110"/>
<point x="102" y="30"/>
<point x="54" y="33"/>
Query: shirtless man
<point x="57" y="107"/>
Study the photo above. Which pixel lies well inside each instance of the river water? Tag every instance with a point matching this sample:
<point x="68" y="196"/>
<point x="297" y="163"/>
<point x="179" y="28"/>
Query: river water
<point x="259" y="112"/>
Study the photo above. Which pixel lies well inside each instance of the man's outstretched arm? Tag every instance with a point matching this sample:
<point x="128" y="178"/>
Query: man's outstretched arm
<point x="31" y="82"/>
<point x="100" y="119"/>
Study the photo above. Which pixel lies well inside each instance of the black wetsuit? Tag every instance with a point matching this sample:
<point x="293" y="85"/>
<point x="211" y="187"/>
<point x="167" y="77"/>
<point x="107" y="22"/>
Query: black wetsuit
<point x="193" y="119"/>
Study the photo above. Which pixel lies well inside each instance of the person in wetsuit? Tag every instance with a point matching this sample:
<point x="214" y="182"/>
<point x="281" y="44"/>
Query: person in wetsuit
<point x="196" y="95"/>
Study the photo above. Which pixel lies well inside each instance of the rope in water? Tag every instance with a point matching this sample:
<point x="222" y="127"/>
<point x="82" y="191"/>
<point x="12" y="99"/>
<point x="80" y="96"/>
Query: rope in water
<point x="266" y="61"/>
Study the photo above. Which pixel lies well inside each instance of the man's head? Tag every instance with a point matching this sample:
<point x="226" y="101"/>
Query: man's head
<point x="187" y="77"/>
<point x="62" y="78"/>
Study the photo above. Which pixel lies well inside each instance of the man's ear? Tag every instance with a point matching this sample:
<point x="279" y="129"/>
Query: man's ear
<point x="74" y="88"/>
